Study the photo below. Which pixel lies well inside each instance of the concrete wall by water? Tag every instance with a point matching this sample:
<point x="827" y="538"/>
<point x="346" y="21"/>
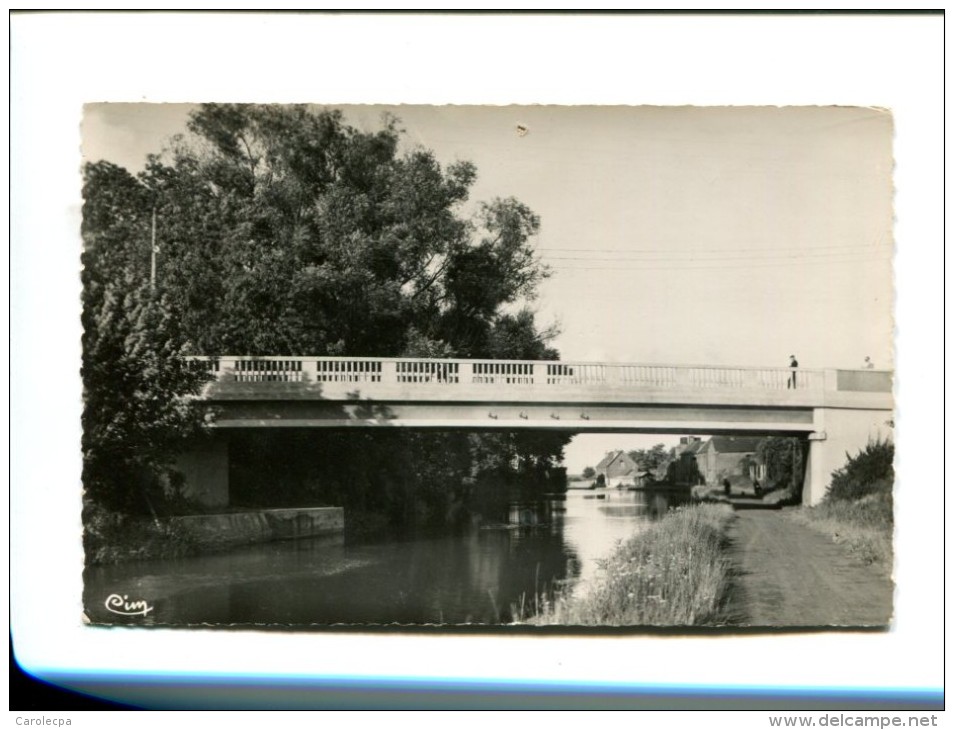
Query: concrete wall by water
<point x="243" y="528"/>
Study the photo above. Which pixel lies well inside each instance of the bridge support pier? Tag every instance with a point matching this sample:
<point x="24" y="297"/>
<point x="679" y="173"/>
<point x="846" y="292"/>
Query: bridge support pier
<point x="205" y="467"/>
<point x="839" y="433"/>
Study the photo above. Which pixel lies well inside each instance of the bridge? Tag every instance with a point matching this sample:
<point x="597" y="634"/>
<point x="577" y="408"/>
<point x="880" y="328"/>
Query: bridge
<point x="836" y="410"/>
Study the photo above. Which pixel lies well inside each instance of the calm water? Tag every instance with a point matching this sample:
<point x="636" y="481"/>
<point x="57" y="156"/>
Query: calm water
<point x="472" y="578"/>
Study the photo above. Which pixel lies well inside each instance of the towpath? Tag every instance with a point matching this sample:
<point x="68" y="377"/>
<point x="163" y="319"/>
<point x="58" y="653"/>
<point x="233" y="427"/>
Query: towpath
<point x="790" y="575"/>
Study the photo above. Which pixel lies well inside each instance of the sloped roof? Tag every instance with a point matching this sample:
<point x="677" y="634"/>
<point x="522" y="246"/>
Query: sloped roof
<point x="735" y="444"/>
<point x="608" y="459"/>
<point x="613" y="456"/>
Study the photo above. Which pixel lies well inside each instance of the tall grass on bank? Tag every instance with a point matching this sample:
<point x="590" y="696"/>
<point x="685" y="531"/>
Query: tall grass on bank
<point x="864" y="525"/>
<point x="671" y="574"/>
<point x="858" y="509"/>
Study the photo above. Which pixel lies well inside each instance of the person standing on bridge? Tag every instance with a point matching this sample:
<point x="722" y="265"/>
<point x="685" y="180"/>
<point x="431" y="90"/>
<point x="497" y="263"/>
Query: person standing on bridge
<point x="794" y="366"/>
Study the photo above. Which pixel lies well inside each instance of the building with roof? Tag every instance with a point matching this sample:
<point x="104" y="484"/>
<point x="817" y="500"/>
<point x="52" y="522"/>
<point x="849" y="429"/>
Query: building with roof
<point x="618" y="469"/>
<point x="730" y="457"/>
<point x="688" y="445"/>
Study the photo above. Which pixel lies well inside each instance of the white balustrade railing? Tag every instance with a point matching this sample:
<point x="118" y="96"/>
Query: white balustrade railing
<point x="327" y="370"/>
<point x="267" y="370"/>
<point x="561" y="373"/>
<point x="449" y="372"/>
<point x="427" y="371"/>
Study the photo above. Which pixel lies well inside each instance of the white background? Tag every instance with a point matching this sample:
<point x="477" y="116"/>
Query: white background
<point x="60" y="61"/>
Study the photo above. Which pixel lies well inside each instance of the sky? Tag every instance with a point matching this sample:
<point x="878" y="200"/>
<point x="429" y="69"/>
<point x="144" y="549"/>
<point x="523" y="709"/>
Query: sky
<point x="689" y="235"/>
<point x="681" y="235"/>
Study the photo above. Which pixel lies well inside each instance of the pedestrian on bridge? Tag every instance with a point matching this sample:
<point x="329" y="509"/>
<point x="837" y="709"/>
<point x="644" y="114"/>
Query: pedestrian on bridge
<point x="794" y="366"/>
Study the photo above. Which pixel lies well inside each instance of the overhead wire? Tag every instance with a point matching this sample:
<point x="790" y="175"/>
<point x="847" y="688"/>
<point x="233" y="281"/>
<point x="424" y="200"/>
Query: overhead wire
<point x="687" y="265"/>
<point x="662" y="259"/>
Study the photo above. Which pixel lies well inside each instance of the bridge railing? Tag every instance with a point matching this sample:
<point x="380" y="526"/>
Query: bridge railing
<point x="450" y="372"/>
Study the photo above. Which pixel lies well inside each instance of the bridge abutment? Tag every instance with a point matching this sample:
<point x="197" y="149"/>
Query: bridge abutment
<point x="839" y="433"/>
<point x="205" y="466"/>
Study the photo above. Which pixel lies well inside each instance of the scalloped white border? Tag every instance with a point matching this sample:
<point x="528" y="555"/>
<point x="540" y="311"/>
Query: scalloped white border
<point x="60" y="61"/>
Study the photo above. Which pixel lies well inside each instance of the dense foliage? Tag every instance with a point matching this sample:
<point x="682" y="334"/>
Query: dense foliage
<point x="655" y="460"/>
<point x="136" y="384"/>
<point x="870" y="471"/>
<point x="683" y="470"/>
<point x="282" y="230"/>
<point x="650" y="459"/>
<point x="784" y="462"/>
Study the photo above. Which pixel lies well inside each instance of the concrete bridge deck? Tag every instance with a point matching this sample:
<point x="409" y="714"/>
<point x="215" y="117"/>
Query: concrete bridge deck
<point x="836" y="410"/>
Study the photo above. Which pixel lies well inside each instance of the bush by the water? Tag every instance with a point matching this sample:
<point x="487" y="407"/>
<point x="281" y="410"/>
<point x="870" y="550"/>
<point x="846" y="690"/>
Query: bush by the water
<point x="671" y="574"/>
<point x="112" y="537"/>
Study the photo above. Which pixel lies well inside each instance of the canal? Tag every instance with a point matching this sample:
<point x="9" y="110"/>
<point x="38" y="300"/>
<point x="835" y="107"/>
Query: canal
<point x="484" y="576"/>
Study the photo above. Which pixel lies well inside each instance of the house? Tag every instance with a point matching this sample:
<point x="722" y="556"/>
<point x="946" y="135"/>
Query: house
<point x="618" y="469"/>
<point x="688" y="444"/>
<point x="678" y="468"/>
<point x="730" y="457"/>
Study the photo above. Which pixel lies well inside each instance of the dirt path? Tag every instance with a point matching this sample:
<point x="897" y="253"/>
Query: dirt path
<point x="789" y="575"/>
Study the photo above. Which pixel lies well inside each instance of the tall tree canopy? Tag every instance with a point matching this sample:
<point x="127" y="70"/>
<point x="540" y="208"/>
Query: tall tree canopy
<point x="650" y="459"/>
<point x="286" y="231"/>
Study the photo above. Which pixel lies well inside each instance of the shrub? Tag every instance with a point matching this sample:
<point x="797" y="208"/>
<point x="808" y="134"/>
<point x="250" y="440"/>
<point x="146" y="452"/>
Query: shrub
<point x="112" y="537"/>
<point x="871" y="471"/>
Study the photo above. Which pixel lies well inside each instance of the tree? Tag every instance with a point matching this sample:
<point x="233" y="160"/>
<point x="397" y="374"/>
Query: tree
<point x="784" y="462"/>
<point x="323" y="239"/>
<point x="650" y="459"/>
<point x="285" y="231"/>
<point x="589" y="472"/>
<point x="136" y="382"/>
<point x="684" y="470"/>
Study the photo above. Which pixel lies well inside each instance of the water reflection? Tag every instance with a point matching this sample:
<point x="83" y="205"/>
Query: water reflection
<point x="477" y="577"/>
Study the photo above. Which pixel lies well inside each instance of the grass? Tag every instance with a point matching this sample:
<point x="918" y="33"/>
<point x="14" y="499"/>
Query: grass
<point x="671" y="574"/>
<point x="865" y="526"/>
<point x="858" y="509"/>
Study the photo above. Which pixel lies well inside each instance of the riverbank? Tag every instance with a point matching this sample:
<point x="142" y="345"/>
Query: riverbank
<point x="673" y="573"/>
<point x="115" y="538"/>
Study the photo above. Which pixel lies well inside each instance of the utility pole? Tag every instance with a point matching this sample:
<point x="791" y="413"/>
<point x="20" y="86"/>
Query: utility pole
<point x="152" y="275"/>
